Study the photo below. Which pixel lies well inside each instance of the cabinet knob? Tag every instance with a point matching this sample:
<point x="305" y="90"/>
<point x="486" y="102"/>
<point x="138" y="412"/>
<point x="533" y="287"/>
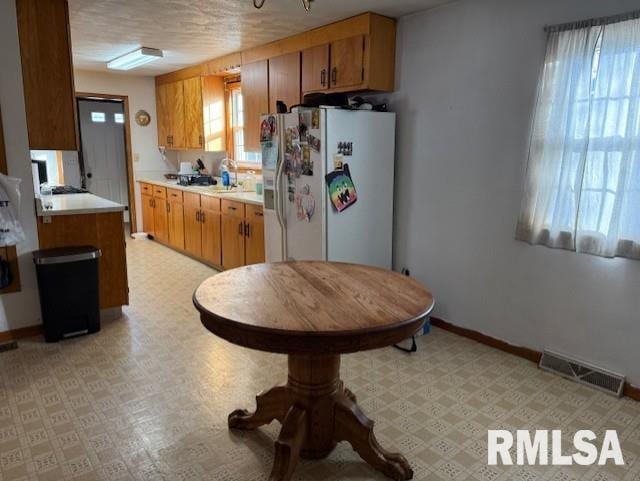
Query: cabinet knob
<point x="203" y="218"/>
<point x="240" y="228"/>
<point x="334" y="75"/>
<point x="323" y="77"/>
<point x="247" y="232"/>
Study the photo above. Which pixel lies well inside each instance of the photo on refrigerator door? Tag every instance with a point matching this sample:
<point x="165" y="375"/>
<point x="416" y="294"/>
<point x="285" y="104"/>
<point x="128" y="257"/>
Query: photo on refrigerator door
<point x="341" y="189"/>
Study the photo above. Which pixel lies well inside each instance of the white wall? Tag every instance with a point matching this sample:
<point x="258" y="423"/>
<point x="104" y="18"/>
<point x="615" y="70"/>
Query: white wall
<point x="148" y="162"/>
<point x="467" y="75"/>
<point x="19" y="309"/>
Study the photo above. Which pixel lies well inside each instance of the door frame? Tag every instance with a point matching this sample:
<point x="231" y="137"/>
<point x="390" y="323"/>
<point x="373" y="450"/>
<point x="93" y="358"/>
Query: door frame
<point x="133" y="226"/>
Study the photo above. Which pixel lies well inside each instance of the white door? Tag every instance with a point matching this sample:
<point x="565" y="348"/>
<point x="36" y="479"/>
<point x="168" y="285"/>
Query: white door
<point x="103" y="149"/>
<point x="303" y="187"/>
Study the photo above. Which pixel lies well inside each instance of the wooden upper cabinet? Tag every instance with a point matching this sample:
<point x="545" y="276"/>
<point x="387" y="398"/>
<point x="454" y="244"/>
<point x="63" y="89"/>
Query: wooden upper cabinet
<point x="284" y="80"/>
<point x="163" y="115"/>
<point x="175" y="97"/>
<point x="47" y="74"/>
<point x="347" y="62"/>
<point x="193" y="114"/>
<point x="315" y="68"/>
<point x="255" y="94"/>
<point x="213" y="114"/>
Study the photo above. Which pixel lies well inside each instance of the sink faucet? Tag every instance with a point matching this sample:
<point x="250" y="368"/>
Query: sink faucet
<point x="231" y="164"/>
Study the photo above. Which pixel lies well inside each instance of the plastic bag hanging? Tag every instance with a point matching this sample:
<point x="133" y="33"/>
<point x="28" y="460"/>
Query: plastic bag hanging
<point x="11" y="232"/>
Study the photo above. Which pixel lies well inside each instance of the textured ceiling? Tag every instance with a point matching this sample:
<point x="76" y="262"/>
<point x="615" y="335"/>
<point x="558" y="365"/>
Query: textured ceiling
<point x="191" y="31"/>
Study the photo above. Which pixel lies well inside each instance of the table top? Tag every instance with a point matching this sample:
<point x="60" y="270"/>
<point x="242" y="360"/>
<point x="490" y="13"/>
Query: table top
<point x="312" y="307"/>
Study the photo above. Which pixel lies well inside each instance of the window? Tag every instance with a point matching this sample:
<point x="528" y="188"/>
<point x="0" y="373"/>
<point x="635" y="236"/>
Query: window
<point x="98" y="117"/>
<point x="235" y="130"/>
<point x="583" y="175"/>
<point x="118" y="118"/>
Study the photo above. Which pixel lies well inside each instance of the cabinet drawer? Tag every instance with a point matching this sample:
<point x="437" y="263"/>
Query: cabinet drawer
<point x="253" y="212"/>
<point x="191" y="200"/>
<point x="233" y="208"/>
<point x="174" y="195"/>
<point x="146" y="189"/>
<point x="159" y="192"/>
<point x="210" y="203"/>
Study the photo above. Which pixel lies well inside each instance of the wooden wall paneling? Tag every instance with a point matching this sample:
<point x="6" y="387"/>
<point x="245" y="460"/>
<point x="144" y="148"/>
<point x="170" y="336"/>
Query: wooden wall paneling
<point x="213" y="113"/>
<point x="193" y="114"/>
<point x="9" y="253"/>
<point x="255" y="93"/>
<point x="47" y="74"/>
<point x="284" y="80"/>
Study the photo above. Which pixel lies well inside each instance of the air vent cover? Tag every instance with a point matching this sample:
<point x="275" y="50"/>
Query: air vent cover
<point x="583" y="373"/>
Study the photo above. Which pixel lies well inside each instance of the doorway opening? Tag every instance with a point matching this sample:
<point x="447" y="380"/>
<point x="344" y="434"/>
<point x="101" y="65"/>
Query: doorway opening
<point x="104" y="158"/>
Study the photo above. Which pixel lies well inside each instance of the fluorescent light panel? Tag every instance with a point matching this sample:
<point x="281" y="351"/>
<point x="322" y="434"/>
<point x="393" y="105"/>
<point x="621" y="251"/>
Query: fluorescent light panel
<point x="134" y="59"/>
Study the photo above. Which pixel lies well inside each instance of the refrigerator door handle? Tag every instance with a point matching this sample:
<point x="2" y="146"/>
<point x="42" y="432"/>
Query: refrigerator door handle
<point x="278" y="206"/>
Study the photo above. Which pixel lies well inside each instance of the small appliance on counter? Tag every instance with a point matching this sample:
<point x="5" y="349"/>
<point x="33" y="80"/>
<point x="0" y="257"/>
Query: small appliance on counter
<point x="195" y="179"/>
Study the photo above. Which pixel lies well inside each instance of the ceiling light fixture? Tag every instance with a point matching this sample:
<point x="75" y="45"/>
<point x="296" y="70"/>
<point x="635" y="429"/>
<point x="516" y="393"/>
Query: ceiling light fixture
<point x="305" y="3"/>
<point x="134" y="59"/>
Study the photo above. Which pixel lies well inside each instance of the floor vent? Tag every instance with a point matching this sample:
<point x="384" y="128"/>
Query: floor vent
<point x="581" y="372"/>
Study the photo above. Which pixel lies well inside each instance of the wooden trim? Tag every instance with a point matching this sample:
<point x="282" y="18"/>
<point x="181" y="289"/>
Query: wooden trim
<point x="9" y="253"/>
<point x="21" y="333"/>
<point x="133" y="225"/>
<point x="349" y="27"/>
<point x="524" y="352"/>
<point x="530" y="354"/>
<point x="60" y="164"/>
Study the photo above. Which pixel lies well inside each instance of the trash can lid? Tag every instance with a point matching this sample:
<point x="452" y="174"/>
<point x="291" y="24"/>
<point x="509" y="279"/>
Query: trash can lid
<point x="60" y="255"/>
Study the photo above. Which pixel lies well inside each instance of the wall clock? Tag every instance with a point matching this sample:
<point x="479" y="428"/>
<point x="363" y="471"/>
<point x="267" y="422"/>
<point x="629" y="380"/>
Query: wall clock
<point x="143" y="118"/>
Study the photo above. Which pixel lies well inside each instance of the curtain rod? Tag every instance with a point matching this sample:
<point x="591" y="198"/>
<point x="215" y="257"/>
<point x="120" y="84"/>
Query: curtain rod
<point x="593" y="22"/>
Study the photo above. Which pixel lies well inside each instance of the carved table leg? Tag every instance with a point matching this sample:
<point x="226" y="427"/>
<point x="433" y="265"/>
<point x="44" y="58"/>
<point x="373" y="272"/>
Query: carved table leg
<point x="351" y="424"/>
<point x="289" y="444"/>
<point x="317" y="412"/>
<point x="270" y="405"/>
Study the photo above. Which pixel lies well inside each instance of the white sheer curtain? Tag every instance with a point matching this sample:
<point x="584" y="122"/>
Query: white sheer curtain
<point x="583" y="177"/>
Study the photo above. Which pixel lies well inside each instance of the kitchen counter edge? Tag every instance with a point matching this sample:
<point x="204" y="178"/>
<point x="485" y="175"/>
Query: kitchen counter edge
<point x="246" y="197"/>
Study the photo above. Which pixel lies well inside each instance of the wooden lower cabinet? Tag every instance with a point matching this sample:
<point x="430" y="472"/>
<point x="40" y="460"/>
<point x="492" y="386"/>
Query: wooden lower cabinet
<point x="211" y="237"/>
<point x="147" y="214"/>
<point x="232" y="234"/>
<point x="102" y="230"/>
<point x="160" y="221"/>
<point x="220" y="232"/>
<point x="254" y="235"/>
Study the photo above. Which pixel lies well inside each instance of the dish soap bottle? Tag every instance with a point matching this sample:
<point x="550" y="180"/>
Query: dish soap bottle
<point x="226" y="180"/>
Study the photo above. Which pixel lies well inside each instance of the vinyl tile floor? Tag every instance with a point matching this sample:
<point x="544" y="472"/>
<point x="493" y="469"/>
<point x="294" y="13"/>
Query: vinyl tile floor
<point x="148" y="397"/>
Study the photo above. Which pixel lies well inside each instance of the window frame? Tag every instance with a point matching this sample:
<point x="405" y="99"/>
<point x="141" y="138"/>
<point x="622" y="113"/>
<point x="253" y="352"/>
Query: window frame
<point x="233" y="84"/>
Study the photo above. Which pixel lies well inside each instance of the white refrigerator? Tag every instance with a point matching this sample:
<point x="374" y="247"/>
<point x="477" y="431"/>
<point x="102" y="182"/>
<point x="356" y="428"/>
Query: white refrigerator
<point x="302" y="222"/>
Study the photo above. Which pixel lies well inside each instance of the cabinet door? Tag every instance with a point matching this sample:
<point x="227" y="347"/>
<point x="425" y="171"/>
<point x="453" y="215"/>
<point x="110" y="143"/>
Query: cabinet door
<point x="163" y="114"/>
<point x="232" y="241"/>
<point x="193" y="120"/>
<point x="192" y="230"/>
<point x="255" y="95"/>
<point x="147" y="214"/>
<point x="215" y="132"/>
<point x="211" y="237"/>
<point x="175" y="101"/>
<point x="254" y="235"/>
<point x="176" y="225"/>
<point x="347" y="62"/>
<point x="47" y="73"/>
<point x="284" y="80"/>
<point x="315" y="68"/>
<point x="160" y="224"/>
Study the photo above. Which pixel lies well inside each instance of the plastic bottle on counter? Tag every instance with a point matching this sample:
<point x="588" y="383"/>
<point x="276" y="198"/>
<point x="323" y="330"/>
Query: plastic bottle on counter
<point x="224" y="173"/>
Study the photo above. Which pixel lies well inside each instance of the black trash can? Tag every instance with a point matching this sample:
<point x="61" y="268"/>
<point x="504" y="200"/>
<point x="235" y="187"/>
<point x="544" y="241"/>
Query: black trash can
<point x="69" y="291"/>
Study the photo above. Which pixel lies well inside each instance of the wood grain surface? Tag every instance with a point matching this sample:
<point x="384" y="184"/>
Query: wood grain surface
<point x="293" y="307"/>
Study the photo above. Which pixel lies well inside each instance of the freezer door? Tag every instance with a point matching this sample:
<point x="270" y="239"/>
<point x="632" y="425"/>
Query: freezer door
<point x="363" y="232"/>
<point x="271" y="163"/>
<point x="303" y="185"/>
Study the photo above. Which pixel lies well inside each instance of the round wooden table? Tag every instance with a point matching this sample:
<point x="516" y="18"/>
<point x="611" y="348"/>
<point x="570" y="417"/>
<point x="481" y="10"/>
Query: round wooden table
<point x="314" y="312"/>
